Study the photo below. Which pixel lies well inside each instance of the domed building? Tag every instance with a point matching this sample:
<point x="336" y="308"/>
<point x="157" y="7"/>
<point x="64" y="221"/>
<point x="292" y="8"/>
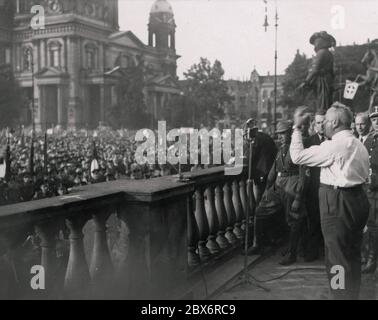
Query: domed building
<point x="73" y="58"/>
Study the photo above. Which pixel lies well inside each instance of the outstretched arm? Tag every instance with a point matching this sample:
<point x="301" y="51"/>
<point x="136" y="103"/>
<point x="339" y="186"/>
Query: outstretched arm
<point x="315" y="156"/>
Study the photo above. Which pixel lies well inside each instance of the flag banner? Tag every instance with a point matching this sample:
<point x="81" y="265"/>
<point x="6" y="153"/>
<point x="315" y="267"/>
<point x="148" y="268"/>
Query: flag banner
<point x="350" y="89"/>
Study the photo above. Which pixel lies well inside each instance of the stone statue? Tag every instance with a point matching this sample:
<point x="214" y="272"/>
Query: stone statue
<point x="370" y="59"/>
<point x="321" y="75"/>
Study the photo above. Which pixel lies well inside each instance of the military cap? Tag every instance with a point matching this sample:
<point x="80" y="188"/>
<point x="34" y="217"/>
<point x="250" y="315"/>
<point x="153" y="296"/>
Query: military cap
<point x="284" y="126"/>
<point x="373" y="112"/>
<point x="373" y="44"/>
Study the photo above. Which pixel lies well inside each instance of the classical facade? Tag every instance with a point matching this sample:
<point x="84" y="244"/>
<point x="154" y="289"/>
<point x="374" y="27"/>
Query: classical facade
<point x="73" y="63"/>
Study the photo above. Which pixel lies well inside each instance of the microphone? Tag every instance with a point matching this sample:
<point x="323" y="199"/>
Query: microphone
<point x="249" y="122"/>
<point x="251" y="128"/>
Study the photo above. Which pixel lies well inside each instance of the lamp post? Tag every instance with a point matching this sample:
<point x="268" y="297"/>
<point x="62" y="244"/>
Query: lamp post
<point x="266" y="25"/>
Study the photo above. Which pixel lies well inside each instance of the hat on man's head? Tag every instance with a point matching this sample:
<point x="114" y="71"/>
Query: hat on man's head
<point x="373" y="112"/>
<point x="373" y="44"/>
<point x="284" y="126"/>
<point x="325" y="36"/>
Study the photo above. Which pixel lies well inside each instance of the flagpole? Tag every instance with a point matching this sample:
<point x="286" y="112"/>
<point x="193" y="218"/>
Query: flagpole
<point x="266" y="25"/>
<point x="275" y="72"/>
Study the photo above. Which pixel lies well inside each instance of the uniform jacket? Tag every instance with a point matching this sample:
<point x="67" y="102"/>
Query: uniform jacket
<point x="284" y="165"/>
<point x="371" y="144"/>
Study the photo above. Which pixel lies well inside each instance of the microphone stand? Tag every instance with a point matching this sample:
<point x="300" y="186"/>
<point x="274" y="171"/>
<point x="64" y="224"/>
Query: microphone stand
<point x="246" y="278"/>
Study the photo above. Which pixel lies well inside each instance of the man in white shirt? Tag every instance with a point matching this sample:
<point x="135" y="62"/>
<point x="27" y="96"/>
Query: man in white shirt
<point x="344" y="207"/>
<point x="362" y="126"/>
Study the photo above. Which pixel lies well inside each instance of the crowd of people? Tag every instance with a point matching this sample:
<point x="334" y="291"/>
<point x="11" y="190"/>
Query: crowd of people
<point x="58" y="161"/>
<point x="68" y="163"/>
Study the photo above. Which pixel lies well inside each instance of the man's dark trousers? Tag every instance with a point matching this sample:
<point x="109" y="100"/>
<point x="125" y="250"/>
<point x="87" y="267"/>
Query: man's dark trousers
<point x="343" y="213"/>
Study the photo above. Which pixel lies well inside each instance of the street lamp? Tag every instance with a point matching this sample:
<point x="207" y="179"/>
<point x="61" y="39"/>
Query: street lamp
<point x="266" y="25"/>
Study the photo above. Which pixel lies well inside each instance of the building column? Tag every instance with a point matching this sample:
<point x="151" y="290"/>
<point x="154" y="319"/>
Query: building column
<point x="18" y="60"/>
<point x="73" y="66"/>
<point x="102" y="103"/>
<point x="155" y="105"/>
<point x="60" y="106"/>
<point x="42" y="53"/>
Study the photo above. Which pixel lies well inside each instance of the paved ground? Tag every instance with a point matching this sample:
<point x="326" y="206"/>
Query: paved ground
<point x="308" y="284"/>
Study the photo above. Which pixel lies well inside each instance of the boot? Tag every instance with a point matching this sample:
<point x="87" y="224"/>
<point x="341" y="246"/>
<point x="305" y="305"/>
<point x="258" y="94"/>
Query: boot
<point x="291" y="256"/>
<point x="371" y="263"/>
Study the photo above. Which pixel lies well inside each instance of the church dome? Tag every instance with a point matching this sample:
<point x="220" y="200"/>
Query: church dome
<point x="161" y="6"/>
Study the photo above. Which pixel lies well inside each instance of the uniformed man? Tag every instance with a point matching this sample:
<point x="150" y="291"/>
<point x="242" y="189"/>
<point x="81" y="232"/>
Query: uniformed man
<point x="284" y="193"/>
<point x="371" y="144"/>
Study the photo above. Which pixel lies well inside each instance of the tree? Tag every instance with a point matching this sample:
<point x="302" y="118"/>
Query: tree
<point x="295" y="74"/>
<point x="207" y="88"/>
<point x="131" y="110"/>
<point x="11" y="100"/>
<point x="179" y="111"/>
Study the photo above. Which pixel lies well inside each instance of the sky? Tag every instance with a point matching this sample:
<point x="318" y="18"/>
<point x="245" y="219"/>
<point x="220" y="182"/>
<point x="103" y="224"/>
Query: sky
<point x="232" y="30"/>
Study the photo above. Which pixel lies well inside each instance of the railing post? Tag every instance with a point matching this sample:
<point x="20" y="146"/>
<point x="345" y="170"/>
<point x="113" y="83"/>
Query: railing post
<point x="77" y="280"/>
<point x="213" y="221"/>
<point x="133" y="274"/>
<point x="231" y="217"/>
<point x="193" y="258"/>
<point x="101" y="269"/>
<point x="222" y="217"/>
<point x="203" y="226"/>
<point x="47" y="233"/>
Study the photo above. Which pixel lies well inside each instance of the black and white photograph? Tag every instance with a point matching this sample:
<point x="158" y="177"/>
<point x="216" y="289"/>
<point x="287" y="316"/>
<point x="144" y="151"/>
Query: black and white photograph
<point x="189" y="155"/>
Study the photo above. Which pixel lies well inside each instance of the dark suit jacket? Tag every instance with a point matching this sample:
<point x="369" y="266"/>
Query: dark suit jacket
<point x="263" y="156"/>
<point x="314" y="182"/>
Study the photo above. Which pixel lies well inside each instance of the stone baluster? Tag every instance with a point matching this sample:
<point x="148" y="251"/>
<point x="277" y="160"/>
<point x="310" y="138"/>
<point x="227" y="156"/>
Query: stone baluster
<point x="47" y="233"/>
<point x="101" y="268"/>
<point x="193" y="258"/>
<point x="238" y="209"/>
<point x="231" y="216"/>
<point x="213" y="221"/>
<point x="222" y="217"/>
<point x="77" y="280"/>
<point x="133" y="271"/>
<point x="203" y="226"/>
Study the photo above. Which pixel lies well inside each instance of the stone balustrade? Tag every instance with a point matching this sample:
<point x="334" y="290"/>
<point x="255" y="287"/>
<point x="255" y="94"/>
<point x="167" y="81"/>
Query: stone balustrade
<point x="127" y="239"/>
